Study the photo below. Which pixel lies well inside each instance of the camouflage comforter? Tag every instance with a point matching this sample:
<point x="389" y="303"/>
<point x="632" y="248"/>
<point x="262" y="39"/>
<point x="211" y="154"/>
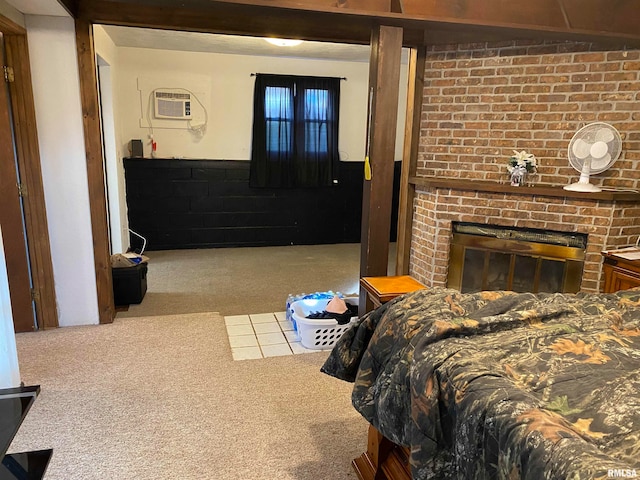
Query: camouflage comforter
<point x="501" y="385"/>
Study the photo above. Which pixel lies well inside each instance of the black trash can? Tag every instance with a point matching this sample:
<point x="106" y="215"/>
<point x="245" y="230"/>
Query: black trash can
<point x="129" y="284"/>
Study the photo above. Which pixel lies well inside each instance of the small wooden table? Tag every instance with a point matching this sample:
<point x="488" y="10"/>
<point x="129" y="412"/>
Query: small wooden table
<point x="620" y="273"/>
<point x="384" y="459"/>
<point x="382" y="289"/>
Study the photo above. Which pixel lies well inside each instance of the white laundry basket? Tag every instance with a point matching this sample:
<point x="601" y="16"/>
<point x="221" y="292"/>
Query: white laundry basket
<point x="318" y="333"/>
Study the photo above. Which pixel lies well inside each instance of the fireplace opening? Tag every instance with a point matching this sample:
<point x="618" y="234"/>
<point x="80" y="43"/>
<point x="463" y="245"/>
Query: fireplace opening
<point x="487" y="257"/>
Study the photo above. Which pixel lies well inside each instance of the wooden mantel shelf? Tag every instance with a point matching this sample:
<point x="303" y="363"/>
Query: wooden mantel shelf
<point x="545" y="191"/>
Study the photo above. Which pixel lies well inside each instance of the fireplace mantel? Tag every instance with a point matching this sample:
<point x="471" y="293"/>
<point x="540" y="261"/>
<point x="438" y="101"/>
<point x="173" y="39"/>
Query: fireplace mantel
<point x="547" y="191"/>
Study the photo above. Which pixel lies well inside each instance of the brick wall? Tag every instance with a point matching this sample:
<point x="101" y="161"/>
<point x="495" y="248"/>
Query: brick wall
<point x="482" y="101"/>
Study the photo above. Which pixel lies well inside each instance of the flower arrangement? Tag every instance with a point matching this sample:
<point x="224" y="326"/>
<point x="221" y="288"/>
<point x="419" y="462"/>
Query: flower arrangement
<point x="521" y="160"/>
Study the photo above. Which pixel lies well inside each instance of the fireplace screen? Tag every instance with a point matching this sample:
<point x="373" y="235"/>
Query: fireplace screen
<point x="485" y="257"/>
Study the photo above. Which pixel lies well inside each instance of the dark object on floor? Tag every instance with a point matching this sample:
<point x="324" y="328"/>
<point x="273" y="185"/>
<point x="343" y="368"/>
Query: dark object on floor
<point x="341" y="318"/>
<point x="129" y="284"/>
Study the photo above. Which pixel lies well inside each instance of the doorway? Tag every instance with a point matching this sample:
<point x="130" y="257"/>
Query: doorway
<point x="131" y="124"/>
<point x="113" y="166"/>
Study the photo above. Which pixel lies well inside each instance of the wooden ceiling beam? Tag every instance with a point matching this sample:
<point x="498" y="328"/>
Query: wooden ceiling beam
<point x="351" y="21"/>
<point x="235" y="19"/>
<point x="71" y="6"/>
<point x="622" y="16"/>
<point x="542" y="13"/>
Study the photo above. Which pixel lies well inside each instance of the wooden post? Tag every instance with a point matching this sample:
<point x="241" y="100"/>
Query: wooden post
<point x="410" y="158"/>
<point x="384" y="80"/>
<point x="95" y="168"/>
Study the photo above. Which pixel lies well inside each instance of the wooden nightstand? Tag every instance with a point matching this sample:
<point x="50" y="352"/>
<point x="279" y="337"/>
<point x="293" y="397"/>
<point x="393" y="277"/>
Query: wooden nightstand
<point x="382" y="289"/>
<point x="620" y="273"/>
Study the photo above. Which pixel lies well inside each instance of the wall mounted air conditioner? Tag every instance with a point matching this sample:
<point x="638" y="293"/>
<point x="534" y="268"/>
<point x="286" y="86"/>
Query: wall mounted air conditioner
<point x="172" y="105"/>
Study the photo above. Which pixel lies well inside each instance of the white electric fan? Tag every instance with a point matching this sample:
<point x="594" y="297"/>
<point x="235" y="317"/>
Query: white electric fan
<point x="592" y="150"/>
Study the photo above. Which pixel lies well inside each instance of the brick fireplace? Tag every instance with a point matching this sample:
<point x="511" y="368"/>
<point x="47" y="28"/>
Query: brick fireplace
<point x="481" y="102"/>
<point x="607" y="221"/>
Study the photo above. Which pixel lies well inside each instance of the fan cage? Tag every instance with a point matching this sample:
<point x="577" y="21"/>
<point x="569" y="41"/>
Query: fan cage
<point x="588" y="132"/>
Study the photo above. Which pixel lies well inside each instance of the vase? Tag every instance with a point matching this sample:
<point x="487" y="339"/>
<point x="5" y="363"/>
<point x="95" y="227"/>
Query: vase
<point x="518" y="178"/>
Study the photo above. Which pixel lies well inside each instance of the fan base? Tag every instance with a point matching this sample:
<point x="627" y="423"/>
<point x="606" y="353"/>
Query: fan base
<point x="582" y="187"/>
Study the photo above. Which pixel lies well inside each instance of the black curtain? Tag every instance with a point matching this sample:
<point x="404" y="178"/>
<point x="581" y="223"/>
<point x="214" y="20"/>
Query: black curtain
<point x="295" y="131"/>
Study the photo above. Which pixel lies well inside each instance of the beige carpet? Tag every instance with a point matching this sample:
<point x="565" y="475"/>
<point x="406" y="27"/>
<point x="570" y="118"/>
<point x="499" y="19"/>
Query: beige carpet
<point x="161" y="398"/>
<point x="246" y="280"/>
<point x="238" y="281"/>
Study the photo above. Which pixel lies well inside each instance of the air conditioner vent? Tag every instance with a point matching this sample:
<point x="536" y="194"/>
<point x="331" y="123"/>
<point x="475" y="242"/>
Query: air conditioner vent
<point x="172" y="105"/>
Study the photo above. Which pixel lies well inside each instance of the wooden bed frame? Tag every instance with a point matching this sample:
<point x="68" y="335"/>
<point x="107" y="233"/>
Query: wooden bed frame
<point x="383" y="460"/>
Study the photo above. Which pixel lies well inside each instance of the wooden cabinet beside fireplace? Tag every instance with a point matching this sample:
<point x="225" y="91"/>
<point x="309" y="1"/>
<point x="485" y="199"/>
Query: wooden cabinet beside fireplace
<point x="620" y="273"/>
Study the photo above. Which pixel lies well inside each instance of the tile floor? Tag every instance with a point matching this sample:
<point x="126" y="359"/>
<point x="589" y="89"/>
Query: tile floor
<point x="262" y="335"/>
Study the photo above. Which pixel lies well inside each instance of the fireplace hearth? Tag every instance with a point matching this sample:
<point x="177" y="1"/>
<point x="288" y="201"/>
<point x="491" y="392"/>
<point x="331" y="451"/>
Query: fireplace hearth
<point x="487" y="257"/>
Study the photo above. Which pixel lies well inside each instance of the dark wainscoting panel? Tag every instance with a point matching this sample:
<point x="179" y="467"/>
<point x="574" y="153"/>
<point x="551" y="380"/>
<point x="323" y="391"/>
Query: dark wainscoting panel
<point x="208" y="203"/>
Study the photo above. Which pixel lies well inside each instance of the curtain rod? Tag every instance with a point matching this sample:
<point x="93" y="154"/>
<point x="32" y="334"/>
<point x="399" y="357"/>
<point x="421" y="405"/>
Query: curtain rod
<point x="340" y="78"/>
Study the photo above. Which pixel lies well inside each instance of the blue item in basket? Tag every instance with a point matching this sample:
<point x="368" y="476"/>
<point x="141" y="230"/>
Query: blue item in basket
<point x="304" y="296"/>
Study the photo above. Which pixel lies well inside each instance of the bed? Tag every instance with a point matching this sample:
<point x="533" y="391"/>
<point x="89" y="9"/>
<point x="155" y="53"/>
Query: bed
<point x="494" y="385"/>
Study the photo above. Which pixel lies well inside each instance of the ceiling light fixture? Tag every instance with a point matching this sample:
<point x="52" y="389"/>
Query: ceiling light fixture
<point x="283" y="42"/>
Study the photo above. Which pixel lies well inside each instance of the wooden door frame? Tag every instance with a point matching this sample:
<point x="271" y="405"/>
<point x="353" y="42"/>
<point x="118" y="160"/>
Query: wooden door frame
<point x="415" y="92"/>
<point x="28" y="154"/>
<point x="386" y="45"/>
<point x="87" y="70"/>
<point x="12" y="220"/>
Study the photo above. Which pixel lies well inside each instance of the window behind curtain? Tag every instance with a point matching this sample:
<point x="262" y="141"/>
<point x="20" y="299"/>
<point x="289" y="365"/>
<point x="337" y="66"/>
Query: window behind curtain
<point x="278" y="114"/>
<point x="295" y="131"/>
<point x="315" y="120"/>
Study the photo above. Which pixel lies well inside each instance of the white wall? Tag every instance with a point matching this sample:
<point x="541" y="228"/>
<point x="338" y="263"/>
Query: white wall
<point x="9" y="371"/>
<point x="56" y="90"/>
<point x="114" y="167"/>
<point x="224" y="85"/>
